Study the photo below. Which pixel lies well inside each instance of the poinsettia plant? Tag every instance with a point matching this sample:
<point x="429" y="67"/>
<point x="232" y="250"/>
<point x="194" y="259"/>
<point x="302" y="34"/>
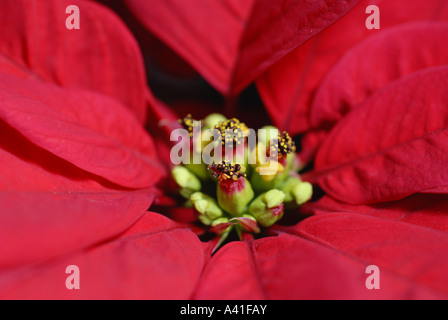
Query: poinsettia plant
<point x="360" y="150"/>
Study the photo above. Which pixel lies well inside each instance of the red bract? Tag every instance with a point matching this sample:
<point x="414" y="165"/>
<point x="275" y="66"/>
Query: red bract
<point x="288" y="91"/>
<point x="34" y="37"/>
<point x="243" y="38"/>
<point x="347" y="85"/>
<point x="90" y="131"/>
<point x="155" y="259"/>
<point x="79" y="171"/>
<point x="326" y="258"/>
<point x="426" y="210"/>
<point x="392" y="146"/>
<point x="77" y="167"/>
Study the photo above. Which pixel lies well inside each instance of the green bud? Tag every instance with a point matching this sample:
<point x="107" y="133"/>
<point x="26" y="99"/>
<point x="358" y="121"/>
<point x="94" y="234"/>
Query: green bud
<point x="270" y="173"/>
<point x="268" y="176"/>
<point x="267" y="208"/>
<point x="248" y="216"/>
<point x="296" y="190"/>
<point x="213" y="119"/>
<point x="234" y="195"/>
<point x="287" y="187"/>
<point x="273" y="198"/>
<point x="219" y="221"/>
<point x="206" y="207"/>
<point x="302" y="192"/>
<point x="200" y="170"/>
<point x="186" y="180"/>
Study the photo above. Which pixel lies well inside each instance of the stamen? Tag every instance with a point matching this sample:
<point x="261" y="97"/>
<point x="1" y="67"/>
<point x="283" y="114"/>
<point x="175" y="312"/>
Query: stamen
<point x="232" y="131"/>
<point x="189" y="123"/>
<point x="225" y="170"/>
<point x="282" y="146"/>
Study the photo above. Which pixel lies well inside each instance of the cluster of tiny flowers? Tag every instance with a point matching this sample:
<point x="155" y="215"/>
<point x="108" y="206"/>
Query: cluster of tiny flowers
<point x="232" y="131"/>
<point x="226" y="170"/>
<point x="227" y="195"/>
<point x="189" y="123"/>
<point x="282" y="146"/>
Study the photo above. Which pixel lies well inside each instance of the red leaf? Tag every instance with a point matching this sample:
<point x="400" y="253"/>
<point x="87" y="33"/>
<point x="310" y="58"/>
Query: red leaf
<point x="392" y="146"/>
<point x="102" y="55"/>
<point x="232" y="42"/>
<point x="311" y="142"/>
<point x="26" y="167"/>
<point x="289" y="267"/>
<point x="406" y="252"/>
<point x="37" y="226"/>
<point x="155" y="259"/>
<point x="50" y="207"/>
<point x="375" y="62"/>
<point x="93" y="132"/>
<point x="288" y="87"/>
<point x="10" y="67"/>
<point x="426" y="210"/>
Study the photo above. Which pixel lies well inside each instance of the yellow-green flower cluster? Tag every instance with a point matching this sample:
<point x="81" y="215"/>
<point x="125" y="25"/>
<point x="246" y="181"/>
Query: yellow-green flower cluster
<point x="245" y="195"/>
